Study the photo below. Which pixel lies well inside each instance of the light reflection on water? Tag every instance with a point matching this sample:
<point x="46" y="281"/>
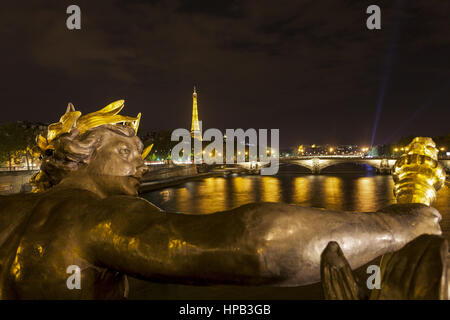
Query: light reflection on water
<point x="270" y="189"/>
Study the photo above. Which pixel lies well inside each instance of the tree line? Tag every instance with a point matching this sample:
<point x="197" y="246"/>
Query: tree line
<point x="18" y="144"/>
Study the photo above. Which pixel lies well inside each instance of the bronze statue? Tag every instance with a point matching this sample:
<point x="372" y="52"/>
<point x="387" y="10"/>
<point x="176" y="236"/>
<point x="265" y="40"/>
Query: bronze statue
<point x="86" y="212"/>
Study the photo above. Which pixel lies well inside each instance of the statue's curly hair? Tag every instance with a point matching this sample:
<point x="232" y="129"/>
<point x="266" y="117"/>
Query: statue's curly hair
<point x="70" y="152"/>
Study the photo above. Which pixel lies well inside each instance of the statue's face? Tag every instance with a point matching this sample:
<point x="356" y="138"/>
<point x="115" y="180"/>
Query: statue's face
<point x="117" y="166"/>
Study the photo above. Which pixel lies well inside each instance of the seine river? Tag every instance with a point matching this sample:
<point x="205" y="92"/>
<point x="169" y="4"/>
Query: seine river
<point x="361" y="190"/>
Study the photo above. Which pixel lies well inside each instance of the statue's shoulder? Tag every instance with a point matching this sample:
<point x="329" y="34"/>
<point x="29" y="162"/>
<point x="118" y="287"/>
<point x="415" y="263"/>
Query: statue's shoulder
<point x="123" y="213"/>
<point x="73" y="197"/>
<point x="14" y="213"/>
<point x="18" y="202"/>
<point x="128" y="203"/>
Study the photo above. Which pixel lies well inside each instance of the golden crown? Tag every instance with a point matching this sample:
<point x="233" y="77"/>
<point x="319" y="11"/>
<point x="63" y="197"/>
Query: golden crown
<point x="73" y="119"/>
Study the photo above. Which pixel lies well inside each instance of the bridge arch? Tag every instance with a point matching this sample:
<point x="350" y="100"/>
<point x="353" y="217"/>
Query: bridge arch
<point x="356" y="163"/>
<point x="297" y="164"/>
<point x="316" y="165"/>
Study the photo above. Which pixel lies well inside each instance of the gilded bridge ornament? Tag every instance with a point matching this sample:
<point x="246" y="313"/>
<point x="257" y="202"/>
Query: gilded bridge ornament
<point x="88" y="214"/>
<point x="418" y="174"/>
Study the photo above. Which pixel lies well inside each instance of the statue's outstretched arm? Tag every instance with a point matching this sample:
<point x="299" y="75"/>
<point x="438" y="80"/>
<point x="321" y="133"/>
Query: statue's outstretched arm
<point x="135" y="237"/>
<point x="255" y="244"/>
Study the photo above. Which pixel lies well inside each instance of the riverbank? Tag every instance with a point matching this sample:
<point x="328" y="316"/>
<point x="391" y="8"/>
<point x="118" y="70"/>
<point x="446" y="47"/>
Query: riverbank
<point x="15" y="181"/>
<point x="158" y="177"/>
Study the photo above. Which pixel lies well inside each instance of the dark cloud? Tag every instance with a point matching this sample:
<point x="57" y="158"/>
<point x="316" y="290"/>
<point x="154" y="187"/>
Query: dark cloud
<point x="218" y="8"/>
<point x="310" y="68"/>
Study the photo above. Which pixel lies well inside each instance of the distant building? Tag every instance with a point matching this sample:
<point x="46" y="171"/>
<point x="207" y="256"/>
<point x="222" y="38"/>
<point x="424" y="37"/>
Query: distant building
<point x="327" y="149"/>
<point x="39" y="126"/>
<point x="195" y="127"/>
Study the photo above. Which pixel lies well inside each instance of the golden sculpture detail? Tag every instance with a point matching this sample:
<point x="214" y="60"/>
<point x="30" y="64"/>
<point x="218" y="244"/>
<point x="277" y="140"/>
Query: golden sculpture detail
<point x="73" y="119"/>
<point x="418" y="174"/>
<point x="146" y="151"/>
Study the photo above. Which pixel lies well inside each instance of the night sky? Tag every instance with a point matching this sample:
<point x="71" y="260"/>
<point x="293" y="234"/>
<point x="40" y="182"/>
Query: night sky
<point x="310" y="68"/>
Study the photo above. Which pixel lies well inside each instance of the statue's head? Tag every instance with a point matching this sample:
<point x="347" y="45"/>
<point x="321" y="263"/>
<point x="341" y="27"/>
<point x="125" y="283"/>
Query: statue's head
<point x="99" y="150"/>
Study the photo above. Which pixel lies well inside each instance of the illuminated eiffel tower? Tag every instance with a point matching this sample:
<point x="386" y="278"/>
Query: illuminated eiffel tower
<point x="195" y="127"/>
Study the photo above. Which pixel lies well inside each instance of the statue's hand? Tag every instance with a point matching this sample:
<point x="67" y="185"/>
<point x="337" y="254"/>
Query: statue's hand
<point x="422" y="219"/>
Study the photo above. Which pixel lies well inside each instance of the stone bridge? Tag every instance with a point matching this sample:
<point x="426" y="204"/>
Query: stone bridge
<point x="317" y="164"/>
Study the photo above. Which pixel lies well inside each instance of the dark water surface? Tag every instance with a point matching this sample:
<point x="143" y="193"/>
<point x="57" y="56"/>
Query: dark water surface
<point x="362" y="191"/>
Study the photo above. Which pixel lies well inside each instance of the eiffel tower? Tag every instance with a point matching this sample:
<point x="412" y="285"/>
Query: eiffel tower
<point x="195" y="127"/>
